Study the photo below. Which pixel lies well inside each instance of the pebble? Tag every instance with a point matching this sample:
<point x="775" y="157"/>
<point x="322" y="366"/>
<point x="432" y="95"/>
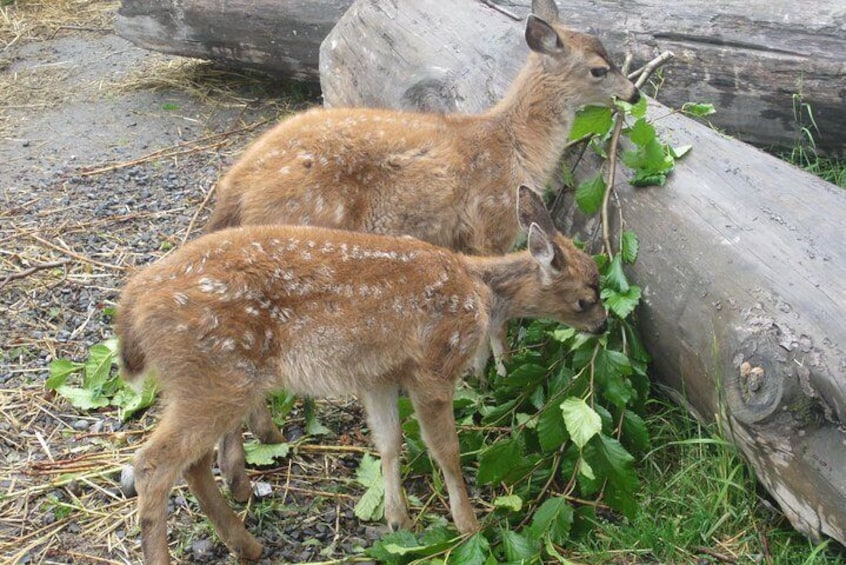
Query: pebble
<point x="262" y="489"/>
<point x="202" y="549"/>
<point x="81" y="425"/>
<point x="127" y="481"/>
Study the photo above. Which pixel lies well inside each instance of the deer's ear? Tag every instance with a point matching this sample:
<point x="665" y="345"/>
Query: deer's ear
<point x="548" y="256"/>
<point x="542" y="37"/>
<point x="546" y="9"/>
<point x="532" y="210"/>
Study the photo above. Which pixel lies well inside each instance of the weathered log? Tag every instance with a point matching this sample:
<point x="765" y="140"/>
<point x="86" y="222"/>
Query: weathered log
<point x="741" y="262"/>
<point x="279" y="36"/>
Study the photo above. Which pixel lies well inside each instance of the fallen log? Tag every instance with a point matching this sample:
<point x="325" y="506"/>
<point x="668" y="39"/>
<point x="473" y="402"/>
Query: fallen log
<point x="741" y="261"/>
<point x="279" y="36"/>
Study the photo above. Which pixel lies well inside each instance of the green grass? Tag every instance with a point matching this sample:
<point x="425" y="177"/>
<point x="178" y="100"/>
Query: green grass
<point x="804" y="153"/>
<point x="699" y="503"/>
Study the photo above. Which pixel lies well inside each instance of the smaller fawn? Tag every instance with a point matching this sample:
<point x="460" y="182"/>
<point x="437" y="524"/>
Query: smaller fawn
<point x="238" y="313"/>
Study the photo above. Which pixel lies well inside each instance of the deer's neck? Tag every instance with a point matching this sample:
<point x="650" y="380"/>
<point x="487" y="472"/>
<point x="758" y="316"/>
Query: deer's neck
<point x="535" y="120"/>
<point x="509" y="279"/>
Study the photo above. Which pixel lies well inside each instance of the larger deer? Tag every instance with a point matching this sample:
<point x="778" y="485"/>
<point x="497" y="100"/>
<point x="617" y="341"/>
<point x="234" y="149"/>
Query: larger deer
<point x="236" y="314"/>
<point x="445" y="179"/>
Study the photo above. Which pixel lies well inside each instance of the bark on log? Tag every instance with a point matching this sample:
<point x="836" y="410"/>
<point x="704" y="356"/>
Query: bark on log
<point x="279" y="36"/>
<point x="741" y="262"/>
<point x="748" y="58"/>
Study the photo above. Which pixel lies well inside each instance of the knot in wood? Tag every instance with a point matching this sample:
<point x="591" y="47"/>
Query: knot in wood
<point x="753" y="375"/>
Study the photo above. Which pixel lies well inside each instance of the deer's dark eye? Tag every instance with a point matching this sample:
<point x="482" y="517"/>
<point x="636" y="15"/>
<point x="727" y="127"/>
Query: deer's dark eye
<point x="582" y="305"/>
<point x="599" y="72"/>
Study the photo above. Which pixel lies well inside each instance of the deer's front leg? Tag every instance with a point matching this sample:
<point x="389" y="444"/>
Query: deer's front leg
<point x="437" y="425"/>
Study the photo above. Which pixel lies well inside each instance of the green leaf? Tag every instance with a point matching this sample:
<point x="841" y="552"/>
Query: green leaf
<point x="581" y="420"/>
<point x="698" y="110"/>
<point x="590" y="193"/>
<point x="474" y="551"/>
<point x="629" y="246"/>
<point x="680" y="151"/>
<point x="635" y="434"/>
<point x="591" y="120"/>
<point x="98" y="366"/>
<point x="393" y="547"/>
<point x="553" y="518"/>
<point x="635" y="110"/>
<point x="371" y="505"/>
<point x="264" y="453"/>
<point x="82" y="398"/>
<point x="518" y="548"/>
<point x="313" y="427"/>
<point x="551" y="430"/>
<point x="616" y="278"/>
<point x="511" y="502"/>
<point x="622" y="304"/>
<point x="585" y="469"/>
<point x="498" y="461"/>
<point x="563" y="333"/>
<point x="620" y="470"/>
<point x="612" y="368"/>
<point x="130" y="402"/>
<point x="641" y="133"/>
<point x="60" y="370"/>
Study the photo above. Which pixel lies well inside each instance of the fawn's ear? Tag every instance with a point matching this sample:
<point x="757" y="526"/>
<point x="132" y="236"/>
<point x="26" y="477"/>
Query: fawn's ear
<point x="542" y="37"/>
<point x="546" y="9"/>
<point x="532" y="210"/>
<point x="549" y="256"/>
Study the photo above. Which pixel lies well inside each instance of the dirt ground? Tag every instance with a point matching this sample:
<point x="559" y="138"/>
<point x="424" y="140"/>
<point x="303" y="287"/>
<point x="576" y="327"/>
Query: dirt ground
<point x="107" y="157"/>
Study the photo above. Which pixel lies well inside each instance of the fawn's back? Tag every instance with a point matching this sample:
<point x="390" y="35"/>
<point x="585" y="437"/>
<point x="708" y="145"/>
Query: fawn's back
<point x="328" y="312"/>
<point x="371" y="170"/>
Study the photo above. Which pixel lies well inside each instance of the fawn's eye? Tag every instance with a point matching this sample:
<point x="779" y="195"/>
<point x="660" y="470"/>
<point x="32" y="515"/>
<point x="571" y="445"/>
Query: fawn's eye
<point x="599" y="72"/>
<point x="582" y="305"/>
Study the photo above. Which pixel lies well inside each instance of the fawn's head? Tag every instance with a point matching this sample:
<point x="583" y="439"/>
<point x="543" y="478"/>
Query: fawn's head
<point x="577" y="61"/>
<point x="568" y="289"/>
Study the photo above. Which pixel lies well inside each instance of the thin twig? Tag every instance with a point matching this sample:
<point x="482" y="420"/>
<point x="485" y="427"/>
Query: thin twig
<point x="502" y="10"/>
<point x="650" y="67"/>
<point x="643" y="75"/>
<point x="716" y="555"/>
<point x="76" y="256"/>
<point x="174" y="150"/>
<point x="31" y="270"/>
<point x="197" y="212"/>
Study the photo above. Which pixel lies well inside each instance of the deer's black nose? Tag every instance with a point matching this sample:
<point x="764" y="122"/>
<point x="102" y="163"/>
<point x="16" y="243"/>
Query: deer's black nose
<point x="601" y="328"/>
<point x="635" y="98"/>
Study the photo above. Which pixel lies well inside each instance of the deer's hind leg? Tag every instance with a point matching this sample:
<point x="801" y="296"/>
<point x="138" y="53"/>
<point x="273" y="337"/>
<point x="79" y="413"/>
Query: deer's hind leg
<point x="230" y="449"/>
<point x="183" y="441"/>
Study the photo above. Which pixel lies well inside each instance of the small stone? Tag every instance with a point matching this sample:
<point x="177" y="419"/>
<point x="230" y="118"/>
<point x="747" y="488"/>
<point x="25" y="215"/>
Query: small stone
<point x="262" y="489"/>
<point x="202" y="549"/>
<point x="127" y="481"/>
<point x="81" y="425"/>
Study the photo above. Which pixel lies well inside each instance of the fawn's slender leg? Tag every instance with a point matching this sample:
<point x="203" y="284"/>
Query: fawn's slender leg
<point x="157" y="465"/>
<point x="229" y="527"/>
<point x="437" y="426"/>
<point x="383" y="419"/>
<point x="230" y="450"/>
<point x="233" y="464"/>
<point x="260" y="422"/>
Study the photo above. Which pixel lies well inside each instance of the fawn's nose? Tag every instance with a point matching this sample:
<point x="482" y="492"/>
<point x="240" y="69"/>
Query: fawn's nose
<point x="635" y="98"/>
<point x="601" y="328"/>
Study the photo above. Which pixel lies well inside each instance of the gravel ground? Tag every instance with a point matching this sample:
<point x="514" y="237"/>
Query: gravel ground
<point x="107" y="157"/>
